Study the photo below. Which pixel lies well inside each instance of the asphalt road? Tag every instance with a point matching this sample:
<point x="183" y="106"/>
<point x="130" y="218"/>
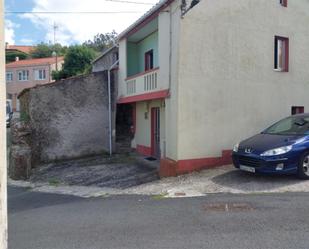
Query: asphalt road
<point x="48" y="221"/>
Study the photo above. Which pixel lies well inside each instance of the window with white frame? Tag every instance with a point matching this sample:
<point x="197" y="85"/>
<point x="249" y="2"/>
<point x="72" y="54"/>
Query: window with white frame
<point x="23" y="75"/>
<point x="40" y="74"/>
<point x="9" y="76"/>
<point x="281" y="54"/>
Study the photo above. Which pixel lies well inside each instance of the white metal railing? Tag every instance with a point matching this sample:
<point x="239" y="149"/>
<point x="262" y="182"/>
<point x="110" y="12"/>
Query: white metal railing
<point x="131" y="86"/>
<point x="143" y="82"/>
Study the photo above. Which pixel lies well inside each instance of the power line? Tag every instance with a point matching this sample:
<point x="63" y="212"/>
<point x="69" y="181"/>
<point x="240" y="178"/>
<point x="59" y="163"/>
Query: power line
<point x="125" y="1"/>
<point x="72" y="12"/>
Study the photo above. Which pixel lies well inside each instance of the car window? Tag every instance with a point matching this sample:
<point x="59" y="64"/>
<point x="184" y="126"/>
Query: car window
<point x="290" y="126"/>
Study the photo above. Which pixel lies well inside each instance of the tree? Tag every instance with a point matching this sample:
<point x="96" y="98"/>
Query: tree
<point x="44" y="50"/>
<point x="10" y="56"/>
<point x="77" y="60"/>
<point x="102" y="42"/>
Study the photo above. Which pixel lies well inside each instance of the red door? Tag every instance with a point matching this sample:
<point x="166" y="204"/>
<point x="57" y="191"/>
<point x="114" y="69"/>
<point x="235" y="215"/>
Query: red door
<point x="155" y="132"/>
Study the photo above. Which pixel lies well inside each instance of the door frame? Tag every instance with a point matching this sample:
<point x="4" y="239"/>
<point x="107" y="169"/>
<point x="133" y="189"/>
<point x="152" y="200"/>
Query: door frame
<point x="152" y="134"/>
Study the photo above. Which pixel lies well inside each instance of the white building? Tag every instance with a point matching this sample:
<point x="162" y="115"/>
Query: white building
<point x="201" y="79"/>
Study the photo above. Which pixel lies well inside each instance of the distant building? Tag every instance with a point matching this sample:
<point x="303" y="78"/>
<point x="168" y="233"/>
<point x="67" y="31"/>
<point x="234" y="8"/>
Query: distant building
<point x="18" y="48"/>
<point x="106" y="60"/>
<point x="22" y="74"/>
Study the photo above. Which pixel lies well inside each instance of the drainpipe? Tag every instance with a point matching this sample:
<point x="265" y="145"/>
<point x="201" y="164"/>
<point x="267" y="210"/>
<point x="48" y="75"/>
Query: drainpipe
<point x="110" y="108"/>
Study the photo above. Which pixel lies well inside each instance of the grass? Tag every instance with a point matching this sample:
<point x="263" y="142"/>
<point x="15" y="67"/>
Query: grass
<point x="53" y="182"/>
<point x="160" y="196"/>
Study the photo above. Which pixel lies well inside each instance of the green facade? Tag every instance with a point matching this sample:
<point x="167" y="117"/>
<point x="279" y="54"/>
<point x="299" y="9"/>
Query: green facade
<point x="136" y="53"/>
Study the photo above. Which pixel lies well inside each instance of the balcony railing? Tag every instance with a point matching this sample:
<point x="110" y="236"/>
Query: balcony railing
<point x="143" y="82"/>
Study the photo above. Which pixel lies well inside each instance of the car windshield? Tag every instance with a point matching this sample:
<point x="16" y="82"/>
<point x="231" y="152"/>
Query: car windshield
<point x="294" y="125"/>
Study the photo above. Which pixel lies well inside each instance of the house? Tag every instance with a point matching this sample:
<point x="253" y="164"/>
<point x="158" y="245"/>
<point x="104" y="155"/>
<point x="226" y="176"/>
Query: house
<point x="13" y="51"/>
<point x="105" y="60"/>
<point x="202" y="76"/>
<point x="18" y="48"/>
<point x="22" y="74"/>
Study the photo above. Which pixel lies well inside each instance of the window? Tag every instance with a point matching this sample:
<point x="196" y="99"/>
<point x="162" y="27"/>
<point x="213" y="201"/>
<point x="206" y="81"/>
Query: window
<point x="9" y="76"/>
<point x="39" y="74"/>
<point x="294" y="125"/>
<point x="281" y="54"/>
<point x="297" y="109"/>
<point x="23" y="75"/>
<point x="149" y="60"/>
<point x="284" y="3"/>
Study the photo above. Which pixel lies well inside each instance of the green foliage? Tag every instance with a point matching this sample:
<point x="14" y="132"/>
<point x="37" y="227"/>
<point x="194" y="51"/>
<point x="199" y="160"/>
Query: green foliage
<point x="24" y="117"/>
<point x="77" y="60"/>
<point x="11" y="55"/>
<point x="102" y="42"/>
<point x="44" y="50"/>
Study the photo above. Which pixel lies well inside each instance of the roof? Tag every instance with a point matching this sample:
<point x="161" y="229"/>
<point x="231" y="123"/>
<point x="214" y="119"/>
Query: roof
<point x="32" y="62"/>
<point x="104" y="53"/>
<point x="24" y="49"/>
<point x="148" y="15"/>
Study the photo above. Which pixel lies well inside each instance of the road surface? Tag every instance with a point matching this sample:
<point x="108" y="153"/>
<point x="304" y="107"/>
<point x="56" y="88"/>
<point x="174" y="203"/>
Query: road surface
<point x="49" y="221"/>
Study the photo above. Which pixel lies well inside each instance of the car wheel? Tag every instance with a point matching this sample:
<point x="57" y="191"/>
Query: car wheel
<point x="303" y="167"/>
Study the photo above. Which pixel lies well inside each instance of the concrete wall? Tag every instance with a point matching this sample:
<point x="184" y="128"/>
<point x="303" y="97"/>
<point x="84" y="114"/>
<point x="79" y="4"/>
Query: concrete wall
<point x="69" y="118"/>
<point x="228" y="89"/>
<point x="106" y="61"/>
<point x="169" y="33"/>
<point x="122" y="73"/>
<point x="3" y="154"/>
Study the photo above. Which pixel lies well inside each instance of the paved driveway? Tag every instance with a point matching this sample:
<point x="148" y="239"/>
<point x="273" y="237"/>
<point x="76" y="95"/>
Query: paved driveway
<point x="117" y="172"/>
<point x="222" y="180"/>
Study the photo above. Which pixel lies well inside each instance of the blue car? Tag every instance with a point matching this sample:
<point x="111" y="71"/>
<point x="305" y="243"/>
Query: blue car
<point x="283" y="148"/>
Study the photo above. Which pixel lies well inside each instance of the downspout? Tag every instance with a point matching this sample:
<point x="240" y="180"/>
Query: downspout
<point x="170" y="53"/>
<point x="110" y="108"/>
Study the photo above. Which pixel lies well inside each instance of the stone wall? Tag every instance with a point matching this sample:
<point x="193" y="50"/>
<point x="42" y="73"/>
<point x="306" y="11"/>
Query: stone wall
<point x="69" y="118"/>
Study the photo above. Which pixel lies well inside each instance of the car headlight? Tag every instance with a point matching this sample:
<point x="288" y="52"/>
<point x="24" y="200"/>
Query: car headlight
<point x="277" y="151"/>
<point x="235" y="149"/>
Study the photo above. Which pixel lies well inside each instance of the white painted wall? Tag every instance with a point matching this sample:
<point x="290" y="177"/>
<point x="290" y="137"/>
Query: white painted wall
<point x="3" y="162"/>
<point x="122" y="72"/>
<point x="171" y="103"/>
<point x="228" y="89"/>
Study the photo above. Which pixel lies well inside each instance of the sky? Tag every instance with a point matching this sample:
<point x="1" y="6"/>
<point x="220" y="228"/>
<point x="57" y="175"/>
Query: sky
<point x="34" y="28"/>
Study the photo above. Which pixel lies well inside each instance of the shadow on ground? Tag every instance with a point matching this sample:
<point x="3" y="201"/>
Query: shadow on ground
<point x="120" y="172"/>
<point x="245" y="181"/>
<point x="31" y="200"/>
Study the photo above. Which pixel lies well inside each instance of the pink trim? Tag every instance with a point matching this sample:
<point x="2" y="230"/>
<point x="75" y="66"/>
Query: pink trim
<point x="144" y="150"/>
<point x="169" y="167"/>
<point x="146" y="96"/>
<point x="141" y="74"/>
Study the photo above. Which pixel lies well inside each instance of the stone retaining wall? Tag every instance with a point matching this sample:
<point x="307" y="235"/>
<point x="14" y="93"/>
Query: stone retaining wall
<point x="69" y="118"/>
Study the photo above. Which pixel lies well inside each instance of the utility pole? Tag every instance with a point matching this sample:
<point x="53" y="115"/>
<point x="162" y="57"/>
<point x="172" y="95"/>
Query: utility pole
<point x="55" y="27"/>
<point x="3" y="154"/>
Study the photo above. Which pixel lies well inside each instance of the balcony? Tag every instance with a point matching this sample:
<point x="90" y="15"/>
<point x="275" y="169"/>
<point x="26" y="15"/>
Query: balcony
<point x="142" y="83"/>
